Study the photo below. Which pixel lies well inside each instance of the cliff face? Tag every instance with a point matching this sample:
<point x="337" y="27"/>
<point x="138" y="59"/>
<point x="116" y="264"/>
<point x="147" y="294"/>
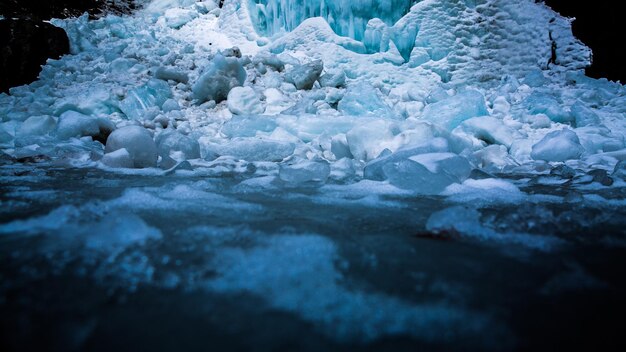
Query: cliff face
<point x="27" y="41"/>
<point x="39" y="10"/>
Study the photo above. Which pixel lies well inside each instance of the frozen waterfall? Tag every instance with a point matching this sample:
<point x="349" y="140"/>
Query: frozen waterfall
<point x="347" y="18"/>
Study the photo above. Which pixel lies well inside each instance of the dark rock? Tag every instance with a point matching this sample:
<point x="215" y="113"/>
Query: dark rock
<point x="25" y="45"/>
<point x="45" y="10"/>
<point x="601" y="176"/>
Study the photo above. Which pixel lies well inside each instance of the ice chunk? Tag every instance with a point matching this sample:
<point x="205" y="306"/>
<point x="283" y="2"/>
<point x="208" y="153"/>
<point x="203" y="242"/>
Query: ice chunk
<point x="305" y="171"/>
<point x="428" y="173"/>
<point x="403" y="35"/>
<point x="37" y="126"/>
<point x="269" y="59"/>
<point x="177" y="146"/>
<point x="339" y="147"/>
<point x="333" y="79"/>
<point x="118" y="159"/>
<point x="558" y="146"/>
<point x="177" y="17"/>
<point x="255" y="149"/>
<point x="138" y="143"/>
<point x="583" y="115"/>
<point x="245" y="101"/>
<point x="170" y="105"/>
<point x="376" y="37"/>
<point x="538" y="103"/>
<point x="74" y="124"/>
<point x="222" y="75"/>
<point x="367" y="141"/>
<point x="488" y="129"/>
<point x="535" y="78"/>
<point x="304" y="76"/>
<point x="452" y="111"/>
<point x="362" y="99"/>
<point x="248" y="126"/>
<point x="171" y="74"/>
<point x="374" y="169"/>
<point x="151" y="95"/>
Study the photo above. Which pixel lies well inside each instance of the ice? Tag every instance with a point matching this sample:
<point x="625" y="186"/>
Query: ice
<point x="245" y="101"/>
<point x="139" y="100"/>
<point x="539" y="103"/>
<point x="452" y="111"/>
<point x="255" y="149"/>
<point x="427" y="173"/>
<point x="220" y="76"/>
<point x="304" y="76"/>
<point x="138" y="143"/>
<point x="177" y="17"/>
<point x="377" y="36"/>
<point x="303" y="171"/>
<point x="583" y="115"/>
<point x="248" y="126"/>
<point x="74" y="124"/>
<point x="362" y="99"/>
<point x="171" y="74"/>
<point x="489" y="129"/>
<point x="339" y="147"/>
<point x="333" y="79"/>
<point x="160" y="6"/>
<point x="347" y="18"/>
<point x="37" y="126"/>
<point x="267" y="59"/>
<point x="367" y="141"/>
<point x="118" y="159"/>
<point x="374" y="169"/>
<point x="560" y="145"/>
<point x="177" y="146"/>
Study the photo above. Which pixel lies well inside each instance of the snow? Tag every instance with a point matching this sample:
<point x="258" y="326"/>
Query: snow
<point x="222" y="75"/>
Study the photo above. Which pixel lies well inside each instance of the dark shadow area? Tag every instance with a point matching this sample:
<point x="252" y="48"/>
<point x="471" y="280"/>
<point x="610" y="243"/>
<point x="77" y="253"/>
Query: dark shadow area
<point x="44" y="10"/>
<point x="598" y="26"/>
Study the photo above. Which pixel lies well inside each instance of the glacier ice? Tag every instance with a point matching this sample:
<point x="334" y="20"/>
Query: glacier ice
<point x="177" y="146"/>
<point x="139" y="100"/>
<point x="304" y="76"/>
<point x="74" y="124"/>
<point x="560" y="145"/>
<point x="452" y="111"/>
<point x="245" y="101"/>
<point x="221" y="75"/>
<point x="347" y="18"/>
<point x="138" y="143"/>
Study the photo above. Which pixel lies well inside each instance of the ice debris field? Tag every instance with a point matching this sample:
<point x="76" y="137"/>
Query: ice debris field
<point x="340" y="161"/>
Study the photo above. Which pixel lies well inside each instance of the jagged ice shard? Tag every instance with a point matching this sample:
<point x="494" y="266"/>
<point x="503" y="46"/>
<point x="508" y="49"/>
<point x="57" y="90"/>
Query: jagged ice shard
<point x="356" y="174"/>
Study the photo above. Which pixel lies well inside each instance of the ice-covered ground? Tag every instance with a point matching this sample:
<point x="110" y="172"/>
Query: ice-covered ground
<point x="425" y="178"/>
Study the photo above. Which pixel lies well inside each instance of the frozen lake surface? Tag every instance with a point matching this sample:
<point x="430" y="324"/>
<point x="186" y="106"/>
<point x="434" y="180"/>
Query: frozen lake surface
<point x="94" y="260"/>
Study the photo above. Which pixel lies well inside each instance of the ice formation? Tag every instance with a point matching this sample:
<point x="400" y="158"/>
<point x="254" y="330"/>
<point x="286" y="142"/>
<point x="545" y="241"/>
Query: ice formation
<point x="415" y="93"/>
<point x="475" y="106"/>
